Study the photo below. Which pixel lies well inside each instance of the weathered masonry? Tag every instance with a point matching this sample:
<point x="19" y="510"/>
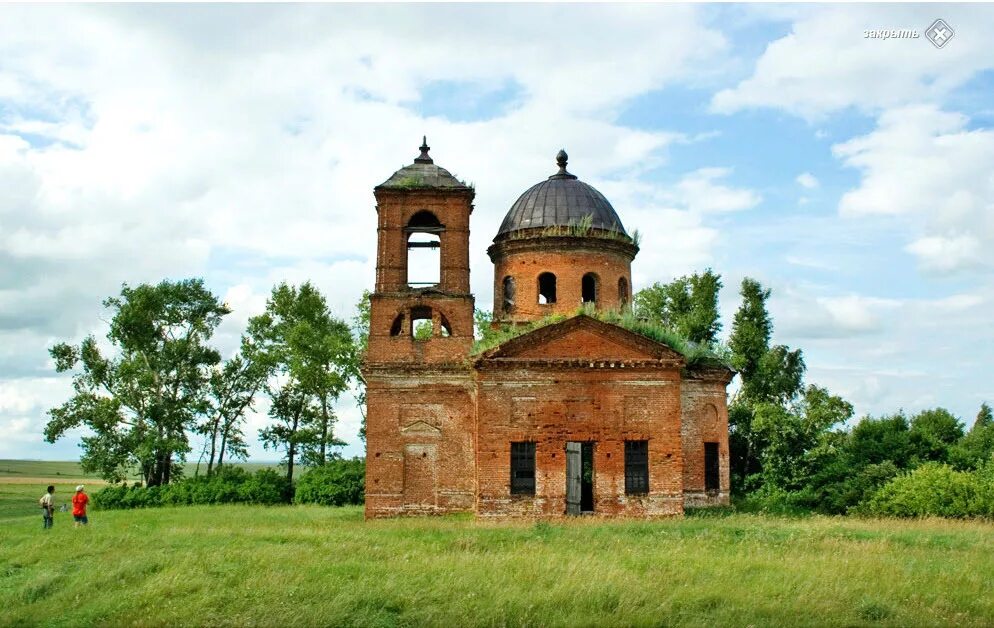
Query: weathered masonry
<point x="575" y="417"/>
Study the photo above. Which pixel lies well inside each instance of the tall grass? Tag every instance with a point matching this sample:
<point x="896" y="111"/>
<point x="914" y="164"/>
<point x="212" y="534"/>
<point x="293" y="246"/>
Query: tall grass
<point x="239" y="565"/>
<point x="695" y="354"/>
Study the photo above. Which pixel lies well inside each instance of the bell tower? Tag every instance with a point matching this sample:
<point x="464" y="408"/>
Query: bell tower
<point x="422" y="309"/>
<point x="420" y="400"/>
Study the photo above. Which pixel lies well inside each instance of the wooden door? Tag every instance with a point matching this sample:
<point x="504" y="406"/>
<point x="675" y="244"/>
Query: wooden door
<point x="574" y="472"/>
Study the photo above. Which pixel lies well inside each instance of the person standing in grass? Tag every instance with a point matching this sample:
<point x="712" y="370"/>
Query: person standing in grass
<point x="79" y="502"/>
<point x="47" y="502"/>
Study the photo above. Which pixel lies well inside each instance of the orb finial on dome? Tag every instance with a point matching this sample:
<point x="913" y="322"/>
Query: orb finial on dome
<point x="561" y="158"/>
<point x="424" y="148"/>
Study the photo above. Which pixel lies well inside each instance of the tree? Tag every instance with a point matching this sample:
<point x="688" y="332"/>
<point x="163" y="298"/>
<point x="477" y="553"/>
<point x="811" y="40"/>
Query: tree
<point x="878" y="440"/>
<point x="232" y="391"/>
<point x="360" y="329"/>
<point x="932" y="434"/>
<point x="791" y="438"/>
<point x="771" y="378"/>
<point x="313" y="358"/>
<point x="751" y="331"/>
<point x="141" y="402"/>
<point x="294" y="423"/>
<point x="688" y="305"/>
<point x="977" y="446"/>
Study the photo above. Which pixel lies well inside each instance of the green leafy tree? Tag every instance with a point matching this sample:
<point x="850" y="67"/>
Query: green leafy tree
<point x="791" y="438"/>
<point x="878" y="440"/>
<point x="752" y="329"/>
<point x="772" y="377"/>
<point x="977" y="445"/>
<point x="769" y="374"/>
<point x="141" y="401"/>
<point x="232" y="390"/>
<point x="360" y="329"/>
<point x="294" y="424"/>
<point x="688" y="305"/>
<point x="312" y="357"/>
<point x="933" y="433"/>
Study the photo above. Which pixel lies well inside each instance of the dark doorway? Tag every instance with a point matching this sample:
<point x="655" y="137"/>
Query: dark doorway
<point x="579" y="478"/>
<point x="712" y="473"/>
<point x="587" y="478"/>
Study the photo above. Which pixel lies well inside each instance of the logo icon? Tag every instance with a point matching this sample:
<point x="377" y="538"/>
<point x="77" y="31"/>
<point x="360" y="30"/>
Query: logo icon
<point x="939" y="33"/>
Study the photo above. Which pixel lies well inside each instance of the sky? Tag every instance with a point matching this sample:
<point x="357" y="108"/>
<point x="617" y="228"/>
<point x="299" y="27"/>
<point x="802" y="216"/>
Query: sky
<point x="851" y="175"/>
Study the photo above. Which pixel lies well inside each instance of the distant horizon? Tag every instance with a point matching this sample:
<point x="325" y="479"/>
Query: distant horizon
<point x="273" y="462"/>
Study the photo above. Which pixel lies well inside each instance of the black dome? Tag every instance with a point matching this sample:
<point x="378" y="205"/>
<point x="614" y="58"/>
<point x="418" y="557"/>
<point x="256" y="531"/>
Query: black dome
<point x="561" y="200"/>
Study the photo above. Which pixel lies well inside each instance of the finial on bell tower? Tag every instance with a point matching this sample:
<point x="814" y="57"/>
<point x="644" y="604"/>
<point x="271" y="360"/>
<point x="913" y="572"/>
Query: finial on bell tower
<point x="424" y="148"/>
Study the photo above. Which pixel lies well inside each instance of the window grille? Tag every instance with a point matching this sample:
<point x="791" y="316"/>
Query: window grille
<point x="636" y="467"/>
<point x="522" y="468"/>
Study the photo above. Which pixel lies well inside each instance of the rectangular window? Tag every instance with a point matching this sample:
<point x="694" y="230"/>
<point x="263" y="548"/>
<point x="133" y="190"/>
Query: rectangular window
<point x="522" y="468"/>
<point x="636" y="467"/>
<point x="712" y="473"/>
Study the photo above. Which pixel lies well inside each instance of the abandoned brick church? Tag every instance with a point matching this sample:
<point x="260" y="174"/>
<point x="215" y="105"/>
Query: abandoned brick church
<point x="574" y="417"/>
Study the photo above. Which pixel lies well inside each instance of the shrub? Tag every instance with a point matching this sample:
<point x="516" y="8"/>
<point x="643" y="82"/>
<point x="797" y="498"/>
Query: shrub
<point x="110" y="497"/>
<point x="336" y="483"/>
<point x="934" y="490"/>
<point x="266" y="486"/>
<point x="228" y="486"/>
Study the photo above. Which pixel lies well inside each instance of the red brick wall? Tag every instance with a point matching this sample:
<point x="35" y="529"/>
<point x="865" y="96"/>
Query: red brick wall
<point x="403" y="348"/>
<point x="705" y="419"/>
<point x="420" y="431"/>
<point x="552" y="406"/>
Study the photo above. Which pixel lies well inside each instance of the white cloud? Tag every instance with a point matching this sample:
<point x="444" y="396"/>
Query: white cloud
<point x="700" y="191"/>
<point x="825" y="64"/>
<point x="885" y="354"/>
<point x="927" y="167"/>
<point x="807" y="180"/>
<point x="675" y="220"/>
<point x="800" y="316"/>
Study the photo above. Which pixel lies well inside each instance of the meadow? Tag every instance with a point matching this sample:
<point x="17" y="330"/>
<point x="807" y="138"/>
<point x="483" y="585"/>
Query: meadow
<point x="309" y="565"/>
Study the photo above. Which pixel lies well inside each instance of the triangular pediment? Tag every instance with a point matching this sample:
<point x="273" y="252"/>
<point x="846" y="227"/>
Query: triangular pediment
<point x="420" y="427"/>
<point x="583" y="338"/>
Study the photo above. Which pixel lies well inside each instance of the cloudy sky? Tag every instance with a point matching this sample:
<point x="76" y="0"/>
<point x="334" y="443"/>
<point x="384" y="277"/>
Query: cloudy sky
<point x="852" y="175"/>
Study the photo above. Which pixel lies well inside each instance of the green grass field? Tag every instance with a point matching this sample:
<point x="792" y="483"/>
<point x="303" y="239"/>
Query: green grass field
<point x="303" y="566"/>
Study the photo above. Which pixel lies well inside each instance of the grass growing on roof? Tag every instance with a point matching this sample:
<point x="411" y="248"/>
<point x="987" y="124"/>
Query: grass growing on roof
<point x="695" y="354"/>
<point x="583" y="228"/>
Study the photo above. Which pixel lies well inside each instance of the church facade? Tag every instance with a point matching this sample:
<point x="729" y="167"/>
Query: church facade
<point x="574" y="417"/>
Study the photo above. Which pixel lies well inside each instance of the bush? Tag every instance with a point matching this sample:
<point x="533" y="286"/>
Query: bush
<point x="266" y="486"/>
<point x="336" y="483"/>
<point x="230" y="485"/>
<point x="934" y="490"/>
